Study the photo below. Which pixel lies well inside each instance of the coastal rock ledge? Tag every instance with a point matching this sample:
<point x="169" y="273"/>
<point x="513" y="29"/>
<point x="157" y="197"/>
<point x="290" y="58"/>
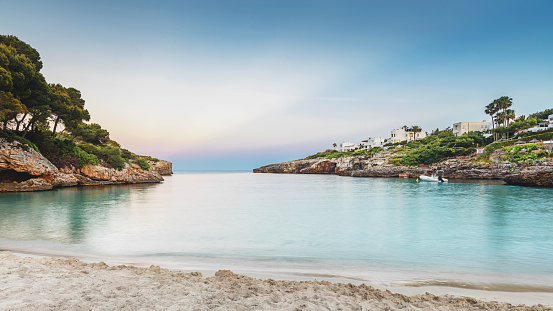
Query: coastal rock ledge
<point x="534" y="176"/>
<point x="24" y="169"/>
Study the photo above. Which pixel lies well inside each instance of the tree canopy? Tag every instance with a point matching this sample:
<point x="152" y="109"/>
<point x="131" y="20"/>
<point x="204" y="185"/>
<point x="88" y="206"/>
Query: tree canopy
<point x="27" y="101"/>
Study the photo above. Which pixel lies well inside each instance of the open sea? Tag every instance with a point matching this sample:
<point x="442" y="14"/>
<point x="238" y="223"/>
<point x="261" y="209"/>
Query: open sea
<point x="386" y="231"/>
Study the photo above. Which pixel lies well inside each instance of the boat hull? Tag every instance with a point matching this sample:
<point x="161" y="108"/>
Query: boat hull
<point x="431" y="178"/>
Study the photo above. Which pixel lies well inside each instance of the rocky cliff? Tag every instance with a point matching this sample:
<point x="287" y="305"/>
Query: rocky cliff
<point x="164" y="168"/>
<point x="24" y="169"/>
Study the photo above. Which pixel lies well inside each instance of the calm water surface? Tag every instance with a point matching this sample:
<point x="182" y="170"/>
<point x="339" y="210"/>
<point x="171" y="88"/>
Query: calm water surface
<point x="388" y="231"/>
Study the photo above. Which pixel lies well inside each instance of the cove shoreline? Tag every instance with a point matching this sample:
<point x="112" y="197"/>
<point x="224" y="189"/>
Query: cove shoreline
<point x="461" y="169"/>
<point x="448" y="296"/>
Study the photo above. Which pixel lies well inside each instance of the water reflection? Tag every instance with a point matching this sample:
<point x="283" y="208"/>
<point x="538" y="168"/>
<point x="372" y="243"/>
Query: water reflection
<point x="63" y="215"/>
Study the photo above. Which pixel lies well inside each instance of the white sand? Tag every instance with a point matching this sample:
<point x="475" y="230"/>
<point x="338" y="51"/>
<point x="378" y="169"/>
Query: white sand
<point x="28" y="283"/>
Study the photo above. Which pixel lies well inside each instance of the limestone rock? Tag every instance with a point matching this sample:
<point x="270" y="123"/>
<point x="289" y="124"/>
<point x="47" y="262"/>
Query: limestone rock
<point x="33" y="184"/>
<point x="535" y="176"/>
<point x="28" y="161"/>
<point x="133" y="175"/>
<point x="477" y="171"/>
<point x="320" y="167"/>
<point x="162" y="167"/>
<point x="96" y="172"/>
<point x="28" y="170"/>
<point x="496" y="155"/>
<point x="290" y="167"/>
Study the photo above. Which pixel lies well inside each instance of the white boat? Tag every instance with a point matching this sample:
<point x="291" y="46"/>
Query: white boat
<point x="432" y="178"/>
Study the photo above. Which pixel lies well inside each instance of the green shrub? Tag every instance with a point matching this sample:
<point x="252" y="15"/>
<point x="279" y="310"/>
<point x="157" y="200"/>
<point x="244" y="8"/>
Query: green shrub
<point x="61" y="152"/>
<point x="320" y="155"/>
<point x="109" y="154"/>
<point x="143" y="164"/>
<point x="148" y="158"/>
<point x="126" y="154"/>
<point x="116" y="162"/>
<point x="438" y="147"/>
<point x="520" y="153"/>
<point x="333" y="154"/>
<point x="84" y="157"/>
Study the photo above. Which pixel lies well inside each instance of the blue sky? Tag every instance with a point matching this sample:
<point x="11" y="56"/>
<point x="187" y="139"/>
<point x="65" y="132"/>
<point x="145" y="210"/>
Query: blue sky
<point x="239" y="84"/>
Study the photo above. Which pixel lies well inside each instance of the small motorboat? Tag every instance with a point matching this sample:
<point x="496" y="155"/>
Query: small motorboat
<point x="437" y="177"/>
<point x="433" y="178"/>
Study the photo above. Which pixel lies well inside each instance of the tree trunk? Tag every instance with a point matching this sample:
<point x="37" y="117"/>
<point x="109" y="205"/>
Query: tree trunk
<point x="55" y="126"/>
<point x="18" y="122"/>
<point x="28" y="127"/>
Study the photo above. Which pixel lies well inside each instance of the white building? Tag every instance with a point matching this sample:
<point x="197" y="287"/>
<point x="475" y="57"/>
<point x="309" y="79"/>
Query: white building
<point x="372" y="142"/>
<point x="461" y="128"/>
<point x="398" y="135"/>
<point x="542" y="126"/>
<point x="347" y="146"/>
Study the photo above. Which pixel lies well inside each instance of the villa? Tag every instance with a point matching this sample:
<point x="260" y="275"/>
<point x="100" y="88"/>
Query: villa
<point x="542" y="126"/>
<point x="348" y="146"/>
<point x="399" y="135"/>
<point x="461" y="128"/>
<point x="372" y="142"/>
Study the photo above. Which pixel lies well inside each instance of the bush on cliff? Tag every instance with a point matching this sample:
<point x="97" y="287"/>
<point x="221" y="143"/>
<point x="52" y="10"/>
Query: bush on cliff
<point x="333" y="154"/>
<point x="526" y="137"/>
<point x="61" y="152"/>
<point x="438" y="147"/>
<point x="109" y="154"/>
<point x="520" y="153"/>
<point x="143" y="164"/>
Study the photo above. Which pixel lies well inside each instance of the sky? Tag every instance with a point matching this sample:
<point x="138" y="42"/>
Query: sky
<point x="213" y="85"/>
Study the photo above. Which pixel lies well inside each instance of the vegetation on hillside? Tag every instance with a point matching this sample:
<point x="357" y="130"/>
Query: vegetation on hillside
<point x="50" y="118"/>
<point x="438" y="147"/>
<point x="443" y="145"/>
<point x="333" y="154"/>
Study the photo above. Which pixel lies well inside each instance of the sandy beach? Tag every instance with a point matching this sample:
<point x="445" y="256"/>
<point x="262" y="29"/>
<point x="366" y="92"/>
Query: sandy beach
<point x="69" y="284"/>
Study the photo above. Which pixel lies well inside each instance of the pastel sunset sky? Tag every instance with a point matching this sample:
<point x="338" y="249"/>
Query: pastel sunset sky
<point x="239" y="84"/>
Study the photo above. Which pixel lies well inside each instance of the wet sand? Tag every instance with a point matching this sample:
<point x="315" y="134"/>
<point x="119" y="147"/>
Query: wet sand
<point x="28" y="283"/>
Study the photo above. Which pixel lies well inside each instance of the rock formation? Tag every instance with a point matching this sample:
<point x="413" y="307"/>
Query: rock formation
<point x="164" y="168"/>
<point x="14" y="158"/>
<point x="453" y="169"/>
<point x="290" y="167"/>
<point x="535" y="176"/>
<point x="24" y="169"/>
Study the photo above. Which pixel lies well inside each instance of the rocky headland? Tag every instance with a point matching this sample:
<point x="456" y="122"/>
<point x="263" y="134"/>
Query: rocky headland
<point x="460" y="168"/>
<point x="25" y="169"/>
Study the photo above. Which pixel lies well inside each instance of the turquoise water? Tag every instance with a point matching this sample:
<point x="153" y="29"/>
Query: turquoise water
<point x="387" y="231"/>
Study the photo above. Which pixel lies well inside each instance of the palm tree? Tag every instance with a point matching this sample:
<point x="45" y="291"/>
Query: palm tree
<point x="509" y="115"/>
<point x="503" y="103"/>
<point x="500" y="118"/>
<point x="492" y="109"/>
<point x="415" y="129"/>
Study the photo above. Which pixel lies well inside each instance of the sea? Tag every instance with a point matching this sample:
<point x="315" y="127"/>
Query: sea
<point x="384" y="231"/>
